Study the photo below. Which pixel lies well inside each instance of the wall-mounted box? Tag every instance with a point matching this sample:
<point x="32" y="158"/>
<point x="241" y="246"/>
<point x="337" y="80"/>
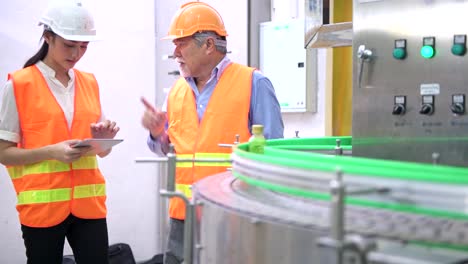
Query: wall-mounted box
<point x="289" y="66"/>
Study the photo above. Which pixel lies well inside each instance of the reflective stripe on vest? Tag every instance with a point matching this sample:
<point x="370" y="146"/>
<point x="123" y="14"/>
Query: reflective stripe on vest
<point x="51" y="166"/>
<point x="186" y="189"/>
<point x="187" y="164"/>
<point x="184" y="164"/>
<point x="61" y="195"/>
<point x="44" y="196"/>
<point x="91" y="190"/>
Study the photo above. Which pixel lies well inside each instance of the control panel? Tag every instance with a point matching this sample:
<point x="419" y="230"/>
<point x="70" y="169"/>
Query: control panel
<point x="410" y="81"/>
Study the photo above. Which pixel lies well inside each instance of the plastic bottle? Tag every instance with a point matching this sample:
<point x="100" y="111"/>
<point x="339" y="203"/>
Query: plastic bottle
<point x="257" y="141"/>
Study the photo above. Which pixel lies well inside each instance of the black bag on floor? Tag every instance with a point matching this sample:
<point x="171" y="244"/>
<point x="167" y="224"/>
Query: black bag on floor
<point x="157" y="259"/>
<point x="68" y="259"/>
<point x="121" y="253"/>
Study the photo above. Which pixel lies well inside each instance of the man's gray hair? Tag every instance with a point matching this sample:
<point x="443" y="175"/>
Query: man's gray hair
<point x="220" y="42"/>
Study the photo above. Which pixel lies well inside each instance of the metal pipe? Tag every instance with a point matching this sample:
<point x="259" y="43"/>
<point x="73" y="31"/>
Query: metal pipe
<point x="163" y="209"/>
<point x="224" y="145"/>
<point x="236" y="141"/>
<point x="338" y="148"/>
<point x="151" y="160"/>
<point x="435" y="158"/>
<point x="188" y="224"/>
<point x="337" y="189"/>
<point x="171" y="169"/>
<point x="188" y="232"/>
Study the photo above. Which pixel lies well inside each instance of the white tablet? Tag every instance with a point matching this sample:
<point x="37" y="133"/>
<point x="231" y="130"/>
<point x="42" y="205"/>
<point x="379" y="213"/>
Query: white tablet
<point x="98" y="144"/>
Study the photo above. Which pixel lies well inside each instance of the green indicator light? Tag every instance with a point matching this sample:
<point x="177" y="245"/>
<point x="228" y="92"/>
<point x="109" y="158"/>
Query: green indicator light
<point x="458" y="49"/>
<point x="427" y="52"/>
<point x="284" y="104"/>
<point x="399" y="53"/>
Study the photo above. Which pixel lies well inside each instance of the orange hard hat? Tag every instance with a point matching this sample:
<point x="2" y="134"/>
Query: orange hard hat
<point x="195" y="17"/>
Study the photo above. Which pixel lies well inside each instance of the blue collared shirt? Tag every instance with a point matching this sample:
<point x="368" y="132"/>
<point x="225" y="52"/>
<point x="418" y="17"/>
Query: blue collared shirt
<point x="264" y="106"/>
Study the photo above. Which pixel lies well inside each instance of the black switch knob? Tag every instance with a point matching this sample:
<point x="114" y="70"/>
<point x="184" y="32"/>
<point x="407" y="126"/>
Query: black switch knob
<point x="426" y="109"/>
<point x="398" y="109"/>
<point x="457" y="108"/>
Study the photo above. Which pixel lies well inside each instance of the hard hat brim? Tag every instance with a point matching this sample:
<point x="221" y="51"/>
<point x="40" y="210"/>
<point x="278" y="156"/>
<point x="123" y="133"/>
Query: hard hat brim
<point x="169" y="37"/>
<point x="172" y="37"/>
<point x="83" y="38"/>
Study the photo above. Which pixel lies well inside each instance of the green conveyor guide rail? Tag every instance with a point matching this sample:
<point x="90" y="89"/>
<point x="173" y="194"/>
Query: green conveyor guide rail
<point x="297" y="153"/>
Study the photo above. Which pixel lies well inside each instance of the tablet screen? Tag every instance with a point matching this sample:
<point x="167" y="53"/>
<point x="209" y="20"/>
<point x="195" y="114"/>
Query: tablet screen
<point x="98" y="144"/>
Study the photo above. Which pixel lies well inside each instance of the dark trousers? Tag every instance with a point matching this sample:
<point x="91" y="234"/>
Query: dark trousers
<point x="87" y="237"/>
<point x="175" y="244"/>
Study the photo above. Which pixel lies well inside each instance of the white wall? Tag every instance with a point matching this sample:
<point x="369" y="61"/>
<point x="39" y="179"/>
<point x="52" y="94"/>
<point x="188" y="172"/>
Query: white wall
<point x="286" y="9"/>
<point x="124" y="65"/>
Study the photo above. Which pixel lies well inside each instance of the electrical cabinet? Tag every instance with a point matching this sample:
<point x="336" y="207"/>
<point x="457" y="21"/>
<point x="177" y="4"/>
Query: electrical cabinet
<point x="283" y="59"/>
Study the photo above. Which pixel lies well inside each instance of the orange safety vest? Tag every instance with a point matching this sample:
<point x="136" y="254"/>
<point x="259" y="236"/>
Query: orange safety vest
<point x="226" y="115"/>
<point x="48" y="191"/>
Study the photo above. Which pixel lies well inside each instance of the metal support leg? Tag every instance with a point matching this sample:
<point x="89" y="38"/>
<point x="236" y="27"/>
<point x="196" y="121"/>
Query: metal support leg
<point x="355" y="244"/>
<point x="336" y="240"/>
<point x="337" y="214"/>
<point x="188" y="224"/>
<point x="163" y="211"/>
<point x="338" y="148"/>
<point x="189" y="207"/>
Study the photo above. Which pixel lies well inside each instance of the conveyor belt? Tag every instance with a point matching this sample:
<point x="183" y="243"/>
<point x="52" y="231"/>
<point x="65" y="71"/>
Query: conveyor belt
<point x="424" y="202"/>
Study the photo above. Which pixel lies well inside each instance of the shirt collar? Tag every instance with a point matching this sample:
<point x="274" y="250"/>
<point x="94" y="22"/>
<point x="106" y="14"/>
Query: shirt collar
<point x="217" y="71"/>
<point x="222" y="65"/>
<point x="49" y="72"/>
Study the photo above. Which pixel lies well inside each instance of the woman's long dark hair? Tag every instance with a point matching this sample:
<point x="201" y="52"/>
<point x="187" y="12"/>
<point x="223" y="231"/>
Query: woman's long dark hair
<point x="41" y="53"/>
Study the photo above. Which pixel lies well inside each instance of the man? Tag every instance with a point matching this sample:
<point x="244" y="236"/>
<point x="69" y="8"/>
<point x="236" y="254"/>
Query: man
<point x="213" y="101"/>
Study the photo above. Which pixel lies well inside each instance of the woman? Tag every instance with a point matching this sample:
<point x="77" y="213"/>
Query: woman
<point x="47" y="107"/>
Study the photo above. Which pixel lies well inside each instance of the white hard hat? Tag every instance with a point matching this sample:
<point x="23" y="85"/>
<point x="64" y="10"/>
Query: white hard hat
<point x="70" y="21"/>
